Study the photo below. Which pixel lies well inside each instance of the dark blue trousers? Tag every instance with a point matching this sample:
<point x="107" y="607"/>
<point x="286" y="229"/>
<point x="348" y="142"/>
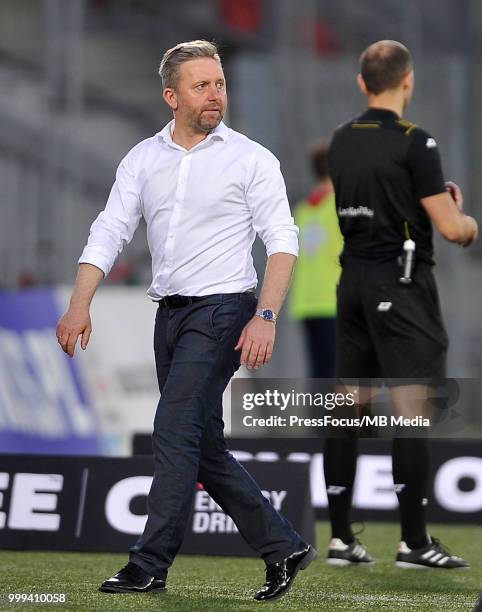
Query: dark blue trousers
<point x="195" y="359"/>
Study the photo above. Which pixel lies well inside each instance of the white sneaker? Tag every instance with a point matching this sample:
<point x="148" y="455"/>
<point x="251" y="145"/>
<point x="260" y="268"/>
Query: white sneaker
<point x="432" y="555"/>
<point x="341" y="554"/>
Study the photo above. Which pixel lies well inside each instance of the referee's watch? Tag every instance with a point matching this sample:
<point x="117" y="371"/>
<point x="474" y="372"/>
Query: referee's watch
<point x="266" y="314"/>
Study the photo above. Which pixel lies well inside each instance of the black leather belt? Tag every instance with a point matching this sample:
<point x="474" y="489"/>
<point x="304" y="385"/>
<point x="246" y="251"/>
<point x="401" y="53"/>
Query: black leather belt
<point x="176" y="301"/>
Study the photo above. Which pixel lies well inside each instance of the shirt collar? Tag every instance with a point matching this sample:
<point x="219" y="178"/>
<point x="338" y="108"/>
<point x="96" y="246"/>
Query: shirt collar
<point x="219" y="133"/>
<point x="379" y="113"/>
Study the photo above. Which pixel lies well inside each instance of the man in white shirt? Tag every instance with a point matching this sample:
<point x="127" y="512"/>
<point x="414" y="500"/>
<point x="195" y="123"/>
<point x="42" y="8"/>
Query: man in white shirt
<point x="204" y="191"/>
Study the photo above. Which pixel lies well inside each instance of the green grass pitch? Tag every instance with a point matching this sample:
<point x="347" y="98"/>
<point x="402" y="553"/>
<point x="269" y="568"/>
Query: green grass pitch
<point x="218" y="584"/>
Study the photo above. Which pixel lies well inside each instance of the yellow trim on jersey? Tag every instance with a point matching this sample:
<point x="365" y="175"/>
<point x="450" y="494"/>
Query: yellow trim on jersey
<point x="407" y="124"/>
<point x="365" y="125"/>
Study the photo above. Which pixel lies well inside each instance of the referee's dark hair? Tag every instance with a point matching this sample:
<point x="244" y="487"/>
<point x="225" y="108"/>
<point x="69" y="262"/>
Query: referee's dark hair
<point x="384" y="64"/>
<point x="318" y="154"/>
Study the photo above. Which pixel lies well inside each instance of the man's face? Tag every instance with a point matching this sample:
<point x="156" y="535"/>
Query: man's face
<point x="199" y="97"/>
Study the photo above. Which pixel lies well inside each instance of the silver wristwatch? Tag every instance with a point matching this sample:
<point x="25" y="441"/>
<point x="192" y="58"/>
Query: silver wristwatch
<point x="266" y="314"/>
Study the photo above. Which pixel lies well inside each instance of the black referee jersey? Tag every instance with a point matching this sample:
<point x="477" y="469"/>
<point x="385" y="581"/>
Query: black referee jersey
<point x="381" y="167"/>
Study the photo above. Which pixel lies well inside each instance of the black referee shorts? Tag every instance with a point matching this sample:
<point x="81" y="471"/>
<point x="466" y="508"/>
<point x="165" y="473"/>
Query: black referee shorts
<point x="386" y="329"/>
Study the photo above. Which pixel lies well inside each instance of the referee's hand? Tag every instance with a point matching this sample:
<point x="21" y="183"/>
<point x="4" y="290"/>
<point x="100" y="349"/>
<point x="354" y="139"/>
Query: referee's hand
<point x="473" y="231"/>
<point x="256" y="343"/>
<point x="74" y="323"/>
<point x="456" y="193"/>
<point x="457" y="197"/>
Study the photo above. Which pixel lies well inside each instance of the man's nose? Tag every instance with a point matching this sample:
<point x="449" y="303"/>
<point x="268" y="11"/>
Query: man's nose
<point x="214" y="92"/>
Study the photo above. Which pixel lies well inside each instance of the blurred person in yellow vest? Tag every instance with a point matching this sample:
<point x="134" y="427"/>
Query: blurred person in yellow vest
<point x="313" y="293"/>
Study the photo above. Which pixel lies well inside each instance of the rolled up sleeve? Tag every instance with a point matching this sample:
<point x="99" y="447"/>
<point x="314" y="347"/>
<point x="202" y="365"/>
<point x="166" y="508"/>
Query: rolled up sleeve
<point x="116" y="224"/>
<point x="268" y="202"/>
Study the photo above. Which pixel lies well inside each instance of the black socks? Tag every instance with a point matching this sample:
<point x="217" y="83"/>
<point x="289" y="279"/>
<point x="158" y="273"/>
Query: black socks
<point x="339" y="464"/>
<point x="410" y="465"/>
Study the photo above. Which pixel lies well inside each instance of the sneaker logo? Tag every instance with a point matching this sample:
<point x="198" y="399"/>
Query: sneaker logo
<point x="335" y="490"/>
<point x="431" y="143"/>
<point x="428" y="554"/>
<point x="398" y="488"/>
<point x="384" y="306"/>
<point x="359" y="551"/>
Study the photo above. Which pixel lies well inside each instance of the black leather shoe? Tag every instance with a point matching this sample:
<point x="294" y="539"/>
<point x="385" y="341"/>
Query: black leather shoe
<point x="280" y="576"/>
<point x="132" y="579"/>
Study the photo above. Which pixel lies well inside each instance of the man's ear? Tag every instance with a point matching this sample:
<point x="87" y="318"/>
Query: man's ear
<point x="408" y="80"/>
<point x="362" y="85"/>
<point x="170" y="97"/>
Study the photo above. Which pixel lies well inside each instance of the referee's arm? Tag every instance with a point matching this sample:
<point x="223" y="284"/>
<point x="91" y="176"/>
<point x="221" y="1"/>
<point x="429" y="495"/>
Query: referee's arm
<point x="451" y="222"/>
<point x="442" y="201"/>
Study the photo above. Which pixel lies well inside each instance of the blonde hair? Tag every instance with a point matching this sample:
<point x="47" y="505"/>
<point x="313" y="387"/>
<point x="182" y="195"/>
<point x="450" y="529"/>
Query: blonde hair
<point x="183" y="52"/>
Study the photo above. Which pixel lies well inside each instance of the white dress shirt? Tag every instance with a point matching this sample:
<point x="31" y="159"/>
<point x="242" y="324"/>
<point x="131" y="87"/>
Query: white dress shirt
<point x="202" y="207"/>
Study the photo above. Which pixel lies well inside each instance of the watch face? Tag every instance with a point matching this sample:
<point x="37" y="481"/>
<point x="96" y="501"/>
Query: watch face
<point x="267" y="314"/>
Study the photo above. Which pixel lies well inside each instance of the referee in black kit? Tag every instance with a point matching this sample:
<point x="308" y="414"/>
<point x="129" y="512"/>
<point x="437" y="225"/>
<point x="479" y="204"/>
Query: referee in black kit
<point x="389" y="190"/>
